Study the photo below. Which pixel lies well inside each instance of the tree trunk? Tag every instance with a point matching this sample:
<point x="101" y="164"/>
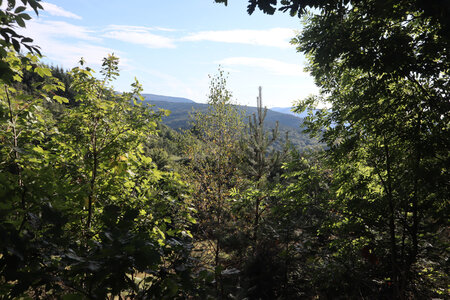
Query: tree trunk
<point x="94" y="175"/>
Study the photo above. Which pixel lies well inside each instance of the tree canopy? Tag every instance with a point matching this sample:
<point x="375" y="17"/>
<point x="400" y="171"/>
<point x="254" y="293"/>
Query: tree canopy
<point x="439" y="10"/>
<point x="12" y="16"/>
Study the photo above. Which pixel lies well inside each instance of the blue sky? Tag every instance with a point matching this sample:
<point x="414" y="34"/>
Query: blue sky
<point x="171" y="46"/>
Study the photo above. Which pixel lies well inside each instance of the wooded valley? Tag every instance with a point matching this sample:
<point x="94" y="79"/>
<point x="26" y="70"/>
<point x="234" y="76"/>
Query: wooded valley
<point x="100" y="199"/>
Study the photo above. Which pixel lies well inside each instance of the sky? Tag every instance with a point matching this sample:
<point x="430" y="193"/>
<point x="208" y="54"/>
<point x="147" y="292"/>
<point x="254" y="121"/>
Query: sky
<point x="171" y="46"/>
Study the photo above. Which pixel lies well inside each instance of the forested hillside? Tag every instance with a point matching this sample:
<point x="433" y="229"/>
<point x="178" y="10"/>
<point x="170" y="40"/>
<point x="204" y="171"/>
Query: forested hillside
<point x="180" y="118"/>
<point x="101" y="199"/>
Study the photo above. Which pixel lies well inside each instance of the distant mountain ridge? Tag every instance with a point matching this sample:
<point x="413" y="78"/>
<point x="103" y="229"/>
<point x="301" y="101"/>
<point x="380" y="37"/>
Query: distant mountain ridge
<point x="157" y="98"/>
<point x="179" y="118"/>
<point x="288" y="110"/>
<point x="153" y="98"/>
<point x="180" y="114"/>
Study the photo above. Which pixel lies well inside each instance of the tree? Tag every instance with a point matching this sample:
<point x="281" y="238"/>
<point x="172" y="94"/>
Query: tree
<point x="85" y="213"/>
<point x="385" y="77"/>
<point x="389" y="93"/>
<point x="438" y="11"/>
<point x="301" y="219"/>
<point x="213" y="172"/>
<point x="261" y="167"/>
<point x="383" y="67"/>
<point x="261" y="161"/>
<point x="260" y="164"/>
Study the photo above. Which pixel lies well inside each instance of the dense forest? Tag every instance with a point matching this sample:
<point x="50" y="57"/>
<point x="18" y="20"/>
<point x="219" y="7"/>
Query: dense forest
<point x="99" y="199"/>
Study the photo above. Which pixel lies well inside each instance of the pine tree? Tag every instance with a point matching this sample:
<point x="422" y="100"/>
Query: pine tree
<point x="260" y="166"/>
<point x="260" y="162"/>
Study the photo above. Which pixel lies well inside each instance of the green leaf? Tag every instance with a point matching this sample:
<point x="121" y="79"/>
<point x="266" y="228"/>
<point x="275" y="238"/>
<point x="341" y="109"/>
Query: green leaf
<point x="19" y="9"/>
<point x="60" y="99"/>
<point x="43" y="72"/>
<point x="39" y="150"/>
<point x="16" y="45"/>
<point x="20" y="21"/>
<point x="27" y="40"/>
<point x="25" y="17"/>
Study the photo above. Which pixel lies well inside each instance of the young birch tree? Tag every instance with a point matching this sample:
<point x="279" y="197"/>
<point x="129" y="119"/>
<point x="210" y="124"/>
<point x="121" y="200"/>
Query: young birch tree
<point x="213" y="169"/>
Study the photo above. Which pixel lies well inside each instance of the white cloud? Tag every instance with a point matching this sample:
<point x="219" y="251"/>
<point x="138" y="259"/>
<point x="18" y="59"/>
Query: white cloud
<point x="56" y="10"/>
<point x="52" y="37"/>
<point x="164" y="29"/>
<point x="69" y="54"/>
<point x="275" y="37"/>
<point x="58" y="29"/>
<point x="274" y="66"/>
<point x="138" y="28"/>
<point x="139" y="35"/>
